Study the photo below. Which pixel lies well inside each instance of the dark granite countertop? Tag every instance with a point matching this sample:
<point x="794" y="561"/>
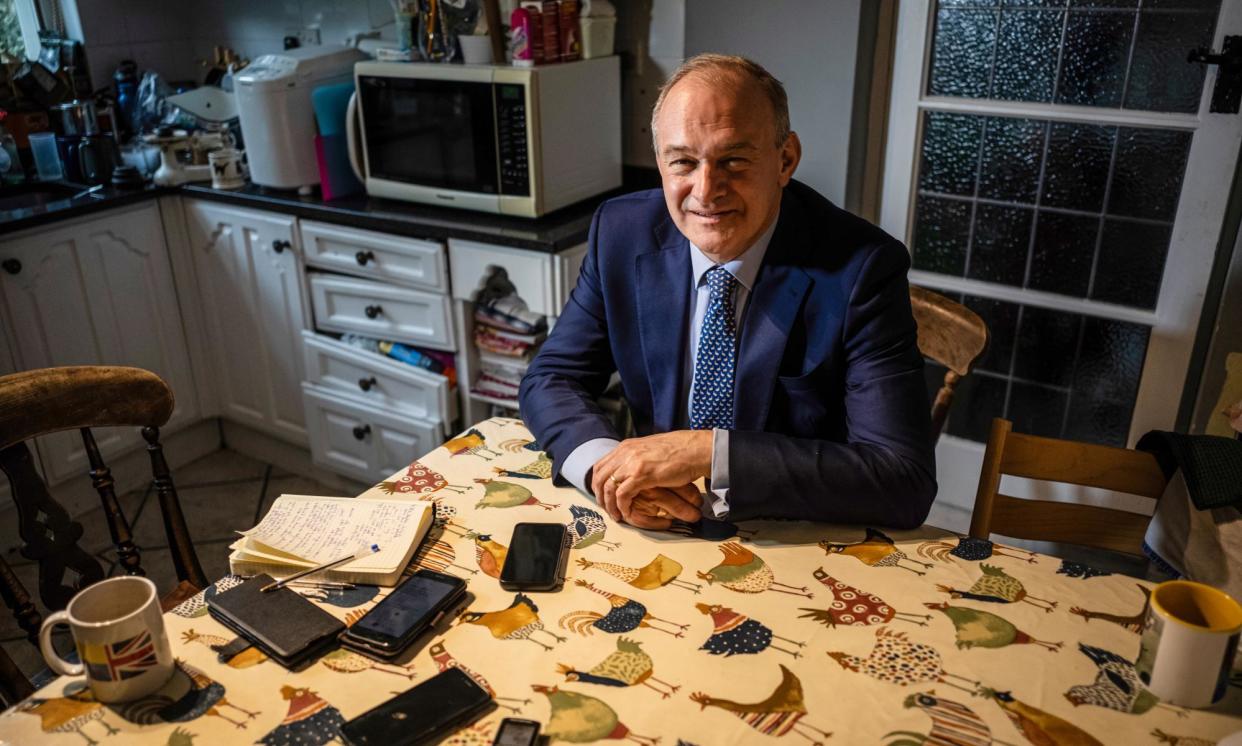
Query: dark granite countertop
<point x="551" y="233"/>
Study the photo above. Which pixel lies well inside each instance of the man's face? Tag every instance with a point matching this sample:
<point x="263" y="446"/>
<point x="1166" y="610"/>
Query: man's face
<point x="720" y="165"/>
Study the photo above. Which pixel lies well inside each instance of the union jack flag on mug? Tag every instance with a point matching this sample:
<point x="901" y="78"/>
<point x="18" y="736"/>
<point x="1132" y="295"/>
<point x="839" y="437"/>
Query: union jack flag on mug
<point x="122" y="660"/>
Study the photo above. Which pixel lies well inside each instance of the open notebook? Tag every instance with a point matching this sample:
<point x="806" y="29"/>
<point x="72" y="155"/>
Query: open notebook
<point x="301" y="531"/>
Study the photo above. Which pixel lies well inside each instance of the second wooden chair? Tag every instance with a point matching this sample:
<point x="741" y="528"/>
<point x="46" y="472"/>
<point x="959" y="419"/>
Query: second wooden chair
<point x="1066" y="461"/>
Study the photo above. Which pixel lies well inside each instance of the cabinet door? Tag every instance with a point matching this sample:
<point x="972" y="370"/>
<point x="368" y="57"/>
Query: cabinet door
<point x="98" y="292"/>
<point x="250" y="281"/>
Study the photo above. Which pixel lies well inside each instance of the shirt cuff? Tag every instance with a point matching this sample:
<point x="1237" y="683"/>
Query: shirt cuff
<point x="718" y="505"/>
<point x="579" y="462"/>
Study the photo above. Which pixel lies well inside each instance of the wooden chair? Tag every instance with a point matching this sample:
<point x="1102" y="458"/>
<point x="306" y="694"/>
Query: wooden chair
<point x="38" y="402"/>
<point x="952" y="335"/>
<point x="1055" y="460"/>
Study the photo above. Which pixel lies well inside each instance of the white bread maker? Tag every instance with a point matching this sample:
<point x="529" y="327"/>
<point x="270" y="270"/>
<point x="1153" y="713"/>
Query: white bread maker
<point x="277" y="121"/>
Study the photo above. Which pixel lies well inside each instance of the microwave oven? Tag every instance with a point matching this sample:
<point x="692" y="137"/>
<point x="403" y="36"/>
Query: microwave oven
<point x="509" y="140"/>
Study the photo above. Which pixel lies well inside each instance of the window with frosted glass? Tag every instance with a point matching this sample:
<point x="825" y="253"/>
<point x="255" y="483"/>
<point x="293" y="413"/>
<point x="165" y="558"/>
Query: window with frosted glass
<point x="1108" y="53"/>
<point x="1073" y="208"/>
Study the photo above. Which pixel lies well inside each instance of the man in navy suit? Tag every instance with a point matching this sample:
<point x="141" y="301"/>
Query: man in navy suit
<point x="763" y="336"/>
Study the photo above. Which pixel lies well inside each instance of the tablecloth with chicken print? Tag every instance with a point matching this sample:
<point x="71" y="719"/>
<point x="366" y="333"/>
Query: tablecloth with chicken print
<point x="714" y="634"/>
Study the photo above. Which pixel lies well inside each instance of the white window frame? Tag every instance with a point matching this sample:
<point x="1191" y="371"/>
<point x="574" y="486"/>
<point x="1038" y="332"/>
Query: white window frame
<point x="1196" y="228"/>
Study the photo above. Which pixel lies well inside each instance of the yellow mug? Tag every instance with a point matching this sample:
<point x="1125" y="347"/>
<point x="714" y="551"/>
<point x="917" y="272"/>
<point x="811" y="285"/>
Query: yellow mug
<point x="1189" y="640"/>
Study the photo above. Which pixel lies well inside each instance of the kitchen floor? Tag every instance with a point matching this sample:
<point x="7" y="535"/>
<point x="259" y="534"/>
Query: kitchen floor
<point x="220" y="494"/>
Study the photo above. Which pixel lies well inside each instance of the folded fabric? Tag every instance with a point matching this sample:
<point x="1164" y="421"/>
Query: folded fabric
<point x="1211" y="465"/>
<point x="1196" y="530"/>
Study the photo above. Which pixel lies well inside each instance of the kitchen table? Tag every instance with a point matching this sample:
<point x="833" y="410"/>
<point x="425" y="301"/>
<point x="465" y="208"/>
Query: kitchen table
<point x="761" y="632"/>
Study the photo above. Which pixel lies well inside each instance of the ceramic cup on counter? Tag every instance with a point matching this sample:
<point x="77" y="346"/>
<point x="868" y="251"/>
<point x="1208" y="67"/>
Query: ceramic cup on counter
<point x="226" y="169"/>
<point x="120" y="637"/>
<point x="1189" y="640"/>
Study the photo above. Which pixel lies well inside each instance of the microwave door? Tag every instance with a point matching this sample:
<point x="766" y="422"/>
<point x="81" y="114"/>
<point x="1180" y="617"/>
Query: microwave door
<point x="438" y="134"/>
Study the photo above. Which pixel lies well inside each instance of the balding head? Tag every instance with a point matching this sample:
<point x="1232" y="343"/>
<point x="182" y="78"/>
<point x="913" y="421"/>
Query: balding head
<point x="739" y="74"/>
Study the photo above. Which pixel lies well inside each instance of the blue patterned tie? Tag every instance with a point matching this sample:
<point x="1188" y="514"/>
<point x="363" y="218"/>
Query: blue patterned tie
<point x="711" y="404"/>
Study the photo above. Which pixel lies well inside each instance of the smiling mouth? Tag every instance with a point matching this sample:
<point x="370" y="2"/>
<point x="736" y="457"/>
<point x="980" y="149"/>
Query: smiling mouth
<point x="713" y="216"/>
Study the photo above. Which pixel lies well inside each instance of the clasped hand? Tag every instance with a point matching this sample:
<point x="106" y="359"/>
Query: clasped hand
<point x="648" y="481"/>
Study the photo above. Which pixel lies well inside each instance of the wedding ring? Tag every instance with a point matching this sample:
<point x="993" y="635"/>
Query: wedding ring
<point x="661" y="513"/>
<point x="615" y="482"/>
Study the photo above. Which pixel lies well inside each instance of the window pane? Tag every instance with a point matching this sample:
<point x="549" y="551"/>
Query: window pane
<point x="1062" y="254"/>
<point x="962" y="53"/>
<point x="950" y="153"/>
<point x="941" y="234"/>
<point x="1093" y="63"/>
<point x="1026" y="55"/>
<point x="1131" y="262"/>
<point x="1147" y="179"/>
<point x="998" y="251"/>
<point x="1096" y="377"/>
<point x="1012" y="152"/>
<point x="1077" y="170"/>
<point x="1160" y="77"/>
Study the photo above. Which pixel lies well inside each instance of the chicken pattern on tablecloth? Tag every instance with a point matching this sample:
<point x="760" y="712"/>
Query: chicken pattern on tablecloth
<point x="419" y="479"/>
<point x="1131" y="622"/>
<point x="745" y="572"/>
<point x="625" y="615"/>
<point x="467" y="522"/>
<point x="630" y="665"/>
<point x="853" y="607"/>
<point x="781" y="712"/>
<point x="953" y="723"/>
<point x="738" y="634"/>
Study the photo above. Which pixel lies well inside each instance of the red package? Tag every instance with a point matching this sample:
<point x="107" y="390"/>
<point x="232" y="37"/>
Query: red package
<point x="571" y="41"/>
<point x="551" y="32"/>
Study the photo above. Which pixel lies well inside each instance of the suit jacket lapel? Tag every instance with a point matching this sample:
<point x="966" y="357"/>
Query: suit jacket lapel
<point x="664" y="320"/>
<point x="773" y="308"/>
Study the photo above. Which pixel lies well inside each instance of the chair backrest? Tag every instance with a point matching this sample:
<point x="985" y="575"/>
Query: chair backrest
<point x="1071" y="462"/>
<point x="952" y="335"/>
<point x="39" y="402"/>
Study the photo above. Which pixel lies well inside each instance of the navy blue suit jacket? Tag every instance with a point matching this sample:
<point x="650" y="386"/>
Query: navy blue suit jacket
<point x="831" y="413"/>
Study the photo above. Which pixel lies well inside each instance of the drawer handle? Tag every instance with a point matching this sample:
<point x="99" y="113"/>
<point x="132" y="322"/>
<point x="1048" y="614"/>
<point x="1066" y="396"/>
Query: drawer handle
<point x="362" y="431"/>
<point x="279" y="246"/>
<point x="362" y="257"/>
<point x="372" y="311"/>
<point x="366" y="383"/>
<point x="12" y="266"/>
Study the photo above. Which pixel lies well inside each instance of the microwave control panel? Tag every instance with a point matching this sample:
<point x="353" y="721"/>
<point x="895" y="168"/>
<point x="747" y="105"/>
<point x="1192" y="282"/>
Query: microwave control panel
<point x="511" y="133"/>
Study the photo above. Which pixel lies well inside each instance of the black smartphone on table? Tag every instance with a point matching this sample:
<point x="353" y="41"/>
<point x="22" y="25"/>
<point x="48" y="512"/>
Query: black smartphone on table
<point x="517" y="732"/>
<point x="536" y="557"/>
<point x="412" y="608"/>
<point x="440" y="705"/>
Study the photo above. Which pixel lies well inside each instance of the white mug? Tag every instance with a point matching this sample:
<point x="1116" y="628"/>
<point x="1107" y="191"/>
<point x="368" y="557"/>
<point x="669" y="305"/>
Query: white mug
<point x="226" y="169"/>
<point x="1189" y="640"/>
<point x="119" y="633"/>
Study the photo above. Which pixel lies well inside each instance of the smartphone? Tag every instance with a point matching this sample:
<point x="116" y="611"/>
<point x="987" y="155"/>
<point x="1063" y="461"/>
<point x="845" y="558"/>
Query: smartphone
<point x="412" y="607"/>
<point x="536" y="557"/>
<point x="442" y="704"/>
<point x="517" y="732"/>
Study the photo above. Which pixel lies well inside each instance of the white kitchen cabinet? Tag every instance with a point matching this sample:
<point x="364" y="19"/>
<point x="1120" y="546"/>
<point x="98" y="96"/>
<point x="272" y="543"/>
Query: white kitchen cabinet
<point x="96" y="291"/>
<point x="359" y="440"/>
<point x="253" y="301"/>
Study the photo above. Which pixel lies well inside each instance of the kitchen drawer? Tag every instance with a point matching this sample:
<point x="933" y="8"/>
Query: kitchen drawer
<point x="379" y="256"/>
<point x="358" y="440"/>
<point x="344" y="304"/>
<point x="378" y="380"/>
<point x="529" y="271"/>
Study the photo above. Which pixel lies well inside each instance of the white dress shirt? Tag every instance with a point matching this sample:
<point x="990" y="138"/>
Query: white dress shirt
<point x="745" y="268"/>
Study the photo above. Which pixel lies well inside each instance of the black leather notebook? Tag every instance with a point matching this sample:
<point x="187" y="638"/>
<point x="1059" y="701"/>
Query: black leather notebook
<point x="289" y="628"/>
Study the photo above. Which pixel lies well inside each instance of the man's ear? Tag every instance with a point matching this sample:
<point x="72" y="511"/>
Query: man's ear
<point x="791" y="154"/>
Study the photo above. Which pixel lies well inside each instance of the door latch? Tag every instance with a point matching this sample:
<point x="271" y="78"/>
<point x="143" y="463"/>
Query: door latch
<point x="1227" y="93"/>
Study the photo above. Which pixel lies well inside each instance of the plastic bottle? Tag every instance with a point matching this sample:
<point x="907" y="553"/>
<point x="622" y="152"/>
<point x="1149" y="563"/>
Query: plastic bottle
<point x="11" y="171"/>
<point x="523" y="51"/>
